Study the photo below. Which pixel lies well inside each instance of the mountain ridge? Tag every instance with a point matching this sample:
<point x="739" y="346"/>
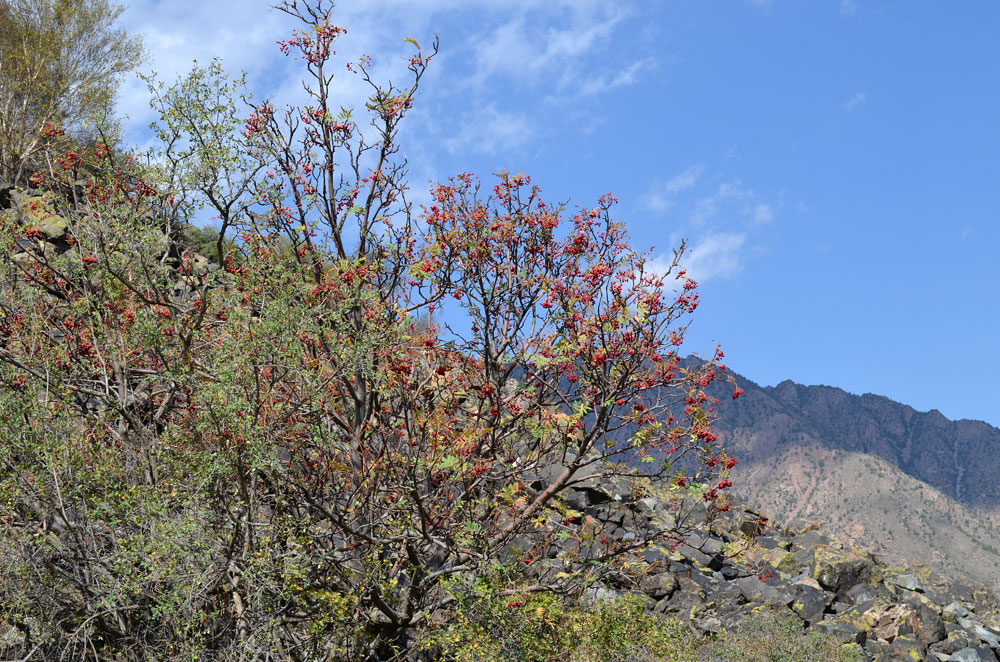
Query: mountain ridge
<point x="912" y="486"/>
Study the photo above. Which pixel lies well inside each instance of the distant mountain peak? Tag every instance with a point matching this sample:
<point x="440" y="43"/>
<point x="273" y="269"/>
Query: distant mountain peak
<point x="919" y="485"/>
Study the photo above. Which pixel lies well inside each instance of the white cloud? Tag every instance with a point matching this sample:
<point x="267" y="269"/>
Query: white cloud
<point x="488" y="131"/>
<point x="684" y="180"/>
<point x="848" y="7"/>
<point x="763" y="5"/>
<point x="508" y="51"/>
<point x="717" y="256"/>
<point x="528" y="51"/>
<point x="856" y="100"/>
<point x="175" y="33"/>
<point x="660" y="198"/>
<point x="656" y="202"/>
<point x="763" y="214"/>
<point x="730" y="202"/>
<point x="707" y="207"/>
<point x="600" y="84"/>
<point x="726" y="217"/>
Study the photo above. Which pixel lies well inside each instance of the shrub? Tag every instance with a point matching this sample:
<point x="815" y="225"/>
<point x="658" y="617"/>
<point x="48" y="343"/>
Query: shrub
<point x="490" y="625"/>
<point x="277" y="459"/>
<point x="767" y="637"/>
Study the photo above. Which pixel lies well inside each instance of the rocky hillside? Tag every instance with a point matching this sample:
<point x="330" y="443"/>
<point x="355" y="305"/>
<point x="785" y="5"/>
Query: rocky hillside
<point x="909" y="485"/>
<point x="743" y="566"/>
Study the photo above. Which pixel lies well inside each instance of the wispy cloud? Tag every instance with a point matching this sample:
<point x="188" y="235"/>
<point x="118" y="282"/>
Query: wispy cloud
<point x="725" y="218"/>
<point x="491" y="52"/>
<point x="488" y="131"/>
<point x="529" y="52"/>
<point x="660" y="197"/>
<point x="684" y="180"/>
<point x="852" y="103"/>
<point x="763" y="5"/>
<point x="177" y="33"/>
<point x="848" y="7"/>
<point x="763" y="214"/>
<point x="605" y="83"/>
<point x="716" y="256"/>
<point x="707" y="207"/>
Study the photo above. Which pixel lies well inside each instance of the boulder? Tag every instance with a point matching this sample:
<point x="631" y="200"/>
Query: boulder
<point x="785" y="562"/>
<point x="585" y="495"/>
<point x="988" y="636"/>
<point x="973" y="654"/>
<point x="838" y="570"/>
<point x="889" y="623"/>
<point x="859" y="594"/>
<point x="929" y="627"/>
<point x="956" y="639"/>
<point x="763" y="592"/>
<point x="879" y="650"/>
<point x="659" y="586"/>
<point x="36" y="211"/>
<point x="992" y="641"/>
<point x="754" y="525"/>
<point x="699" y="558"/>
<point x="799" y="526"/>
<point x="727" y="599"/>
<point x="599" y="593"/>
<point x="648" y="505"/>
<point x="808" y="602"/>
<point x="954" y="611"/>
<point x="908" y="647"/>
<point x="909" y="582"/>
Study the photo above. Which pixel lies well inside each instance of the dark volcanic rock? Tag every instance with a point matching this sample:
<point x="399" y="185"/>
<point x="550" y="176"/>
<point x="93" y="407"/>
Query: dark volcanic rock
<point x="838" y="570"/>
<point x="720" y="576"/>
<point x="808" y="601"/>
<point x="659" y="586"/>
<point x="974" y="654"/>
<point x="956" y="639"/>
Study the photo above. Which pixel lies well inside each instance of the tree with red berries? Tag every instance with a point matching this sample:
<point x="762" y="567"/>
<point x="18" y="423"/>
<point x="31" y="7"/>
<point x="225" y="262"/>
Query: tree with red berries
<point x="280" y="458"/>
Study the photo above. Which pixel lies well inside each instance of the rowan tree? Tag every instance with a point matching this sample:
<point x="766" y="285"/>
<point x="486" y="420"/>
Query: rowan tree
<point x="60" y="64"/>
<point x="282" y="458"/>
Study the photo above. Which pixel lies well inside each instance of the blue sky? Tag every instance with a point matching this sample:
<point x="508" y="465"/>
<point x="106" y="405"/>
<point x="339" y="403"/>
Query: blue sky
<point x="834" y="165"/>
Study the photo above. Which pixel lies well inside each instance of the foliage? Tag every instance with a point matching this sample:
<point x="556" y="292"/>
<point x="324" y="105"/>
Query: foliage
<point x="60" y="62"/>
<point x="201" y="240"/>
<point x="766" y="637"/>
<point x="491" y="625"/>
<point x="279" y="459"/>
<point x="204" y="159"/>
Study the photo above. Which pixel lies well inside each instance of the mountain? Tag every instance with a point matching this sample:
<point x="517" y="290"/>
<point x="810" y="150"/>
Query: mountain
<point x="911" y="486"/>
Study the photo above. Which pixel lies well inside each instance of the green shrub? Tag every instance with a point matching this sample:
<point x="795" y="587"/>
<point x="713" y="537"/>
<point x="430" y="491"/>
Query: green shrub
<point x="766" y="637"/>
<point x="490" y="626"/>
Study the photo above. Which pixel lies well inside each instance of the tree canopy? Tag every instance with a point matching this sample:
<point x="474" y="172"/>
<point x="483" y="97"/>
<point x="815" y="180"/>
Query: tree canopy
<point x="60" y="64"/>
<point x="278" y="457"/>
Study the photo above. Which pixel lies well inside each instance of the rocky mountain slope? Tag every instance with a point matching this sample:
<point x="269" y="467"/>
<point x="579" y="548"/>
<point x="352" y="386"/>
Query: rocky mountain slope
<point x="742" y="566"/>
<point x="909" y="485"/>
